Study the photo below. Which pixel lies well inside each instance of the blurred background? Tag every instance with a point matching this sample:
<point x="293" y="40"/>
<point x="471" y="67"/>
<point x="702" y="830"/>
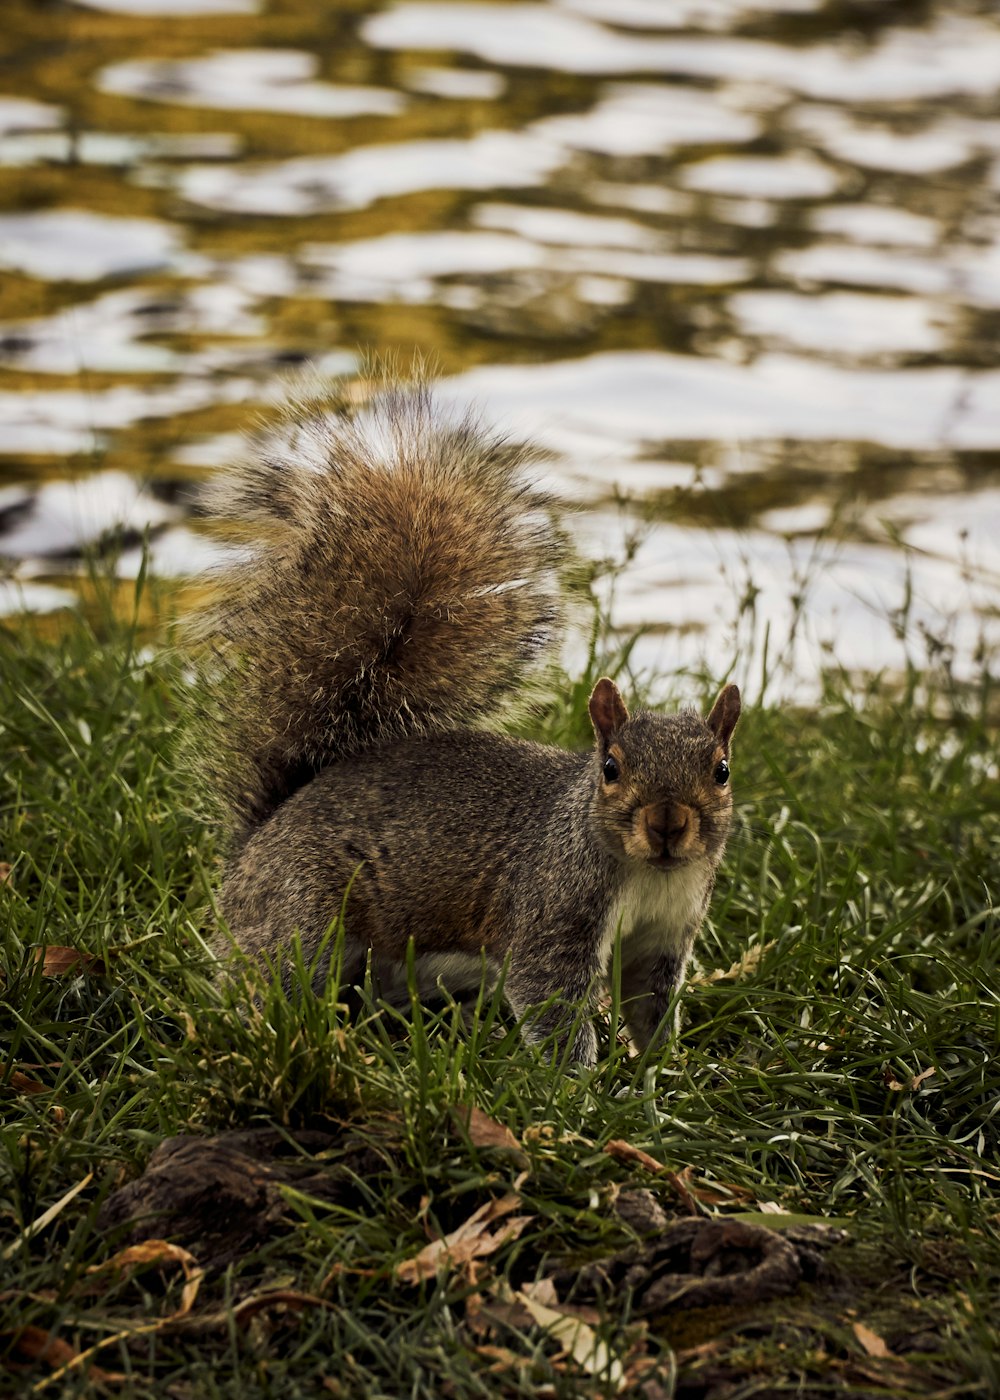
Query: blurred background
<point x="736" y="262"/>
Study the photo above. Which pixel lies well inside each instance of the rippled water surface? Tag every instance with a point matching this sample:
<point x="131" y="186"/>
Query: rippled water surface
<point x="737" y="262"/>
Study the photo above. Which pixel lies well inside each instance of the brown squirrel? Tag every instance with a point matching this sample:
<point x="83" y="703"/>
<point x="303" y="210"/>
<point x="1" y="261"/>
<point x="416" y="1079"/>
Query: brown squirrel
<point x="404" y="583"/>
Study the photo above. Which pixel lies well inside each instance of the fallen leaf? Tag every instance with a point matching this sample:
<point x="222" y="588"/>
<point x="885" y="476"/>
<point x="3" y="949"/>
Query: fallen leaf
<point x="472" y="1240"/>
<point x="145" y="1255"/>
<point x="719" y="1193"/>
<point x="341" y="1270"/>
<point x="26" y="1346"/>
<point x="543" y="1291"/>
<point x="871" y="1341"/>
<point x="57" y="961"/>
<point x="486" y="1132"/>
<point x="5" y="873"/>
<point x="911" y="1084"/>
<point x="64" y="1358"/>
<point x="159" y="1253"/>
<point x="30" y="1344"/>
<point x="712" y="1347"/>
<point x="503" y="1359"/>
<point x="278" y="1297"/>
<point x="189" y="1293"/>
<point x="577" y="1339"/>
<point x="23" y="1084"/>
<point x="623" y="1151"/>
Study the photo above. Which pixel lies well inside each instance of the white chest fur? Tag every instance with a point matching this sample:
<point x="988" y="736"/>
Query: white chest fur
<point x="657" y="909"/>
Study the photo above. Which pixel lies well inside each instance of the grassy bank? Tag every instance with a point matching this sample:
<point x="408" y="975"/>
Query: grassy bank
<point x="848" y="1070"/>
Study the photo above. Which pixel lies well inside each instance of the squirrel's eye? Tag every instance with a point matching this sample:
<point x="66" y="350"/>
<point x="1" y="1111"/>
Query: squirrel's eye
<point x="610" y="771"/>
<point x="722" y="773"/>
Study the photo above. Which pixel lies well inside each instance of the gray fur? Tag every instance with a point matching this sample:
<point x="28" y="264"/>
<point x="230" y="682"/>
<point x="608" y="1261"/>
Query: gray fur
<point x="403" y="593"/>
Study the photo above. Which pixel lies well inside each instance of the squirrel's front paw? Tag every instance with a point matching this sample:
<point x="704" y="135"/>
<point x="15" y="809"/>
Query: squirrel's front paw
<point x="560" y="1027"/>
<point x="584" y="1050"/>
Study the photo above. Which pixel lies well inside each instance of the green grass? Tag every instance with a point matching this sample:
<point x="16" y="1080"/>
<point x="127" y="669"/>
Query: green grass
<point x="853" y="1073"/>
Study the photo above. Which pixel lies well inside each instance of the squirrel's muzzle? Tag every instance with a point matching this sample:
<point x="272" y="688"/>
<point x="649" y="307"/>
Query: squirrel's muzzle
<point x="671" y="829"/>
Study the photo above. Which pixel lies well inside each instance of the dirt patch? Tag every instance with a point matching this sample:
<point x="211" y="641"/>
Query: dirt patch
<point x="224" y="1195"/>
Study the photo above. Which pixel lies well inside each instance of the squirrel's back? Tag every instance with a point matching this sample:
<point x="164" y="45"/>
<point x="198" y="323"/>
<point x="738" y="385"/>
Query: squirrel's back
<point x="400" y="581"/>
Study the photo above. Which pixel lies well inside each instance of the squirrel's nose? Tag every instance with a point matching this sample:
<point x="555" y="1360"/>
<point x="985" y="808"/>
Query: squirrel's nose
<point x="677" y="823"/>
<point x="670" y="825"/>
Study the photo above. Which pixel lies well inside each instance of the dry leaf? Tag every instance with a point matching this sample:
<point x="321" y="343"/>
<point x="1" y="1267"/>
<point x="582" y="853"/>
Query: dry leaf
<point x="623" y="1151"/>
<point x="5" y="873"/>
<point x="543" y="1290"/>
<point x="700" y="1352"/>
<point x="341" y="1270"/>
<point x="159" y="1253"/>
<point x="22" y="1084"/>
<point x="189" y="1293"/>
<point x="472" y="1240"/>
<point x="720" y="1193"/>
<point x="283" y="1297"/>
<point x="577" y="1339"/>
<point x="58" y="960"/>
<point x="911" y="1084"/>
<point x="503" y="1359"/>
<point x="67" y="1359"/>
<point x="145" y="1255"/>
<point x="871" y="1341"/>
<point x="35" y="1344"/>
<point x="486" y="1132"/>
<point x="29" y="1345"/>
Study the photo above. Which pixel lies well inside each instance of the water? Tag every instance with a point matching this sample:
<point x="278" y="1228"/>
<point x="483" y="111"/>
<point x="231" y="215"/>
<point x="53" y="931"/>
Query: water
<point x="736" y="262"/>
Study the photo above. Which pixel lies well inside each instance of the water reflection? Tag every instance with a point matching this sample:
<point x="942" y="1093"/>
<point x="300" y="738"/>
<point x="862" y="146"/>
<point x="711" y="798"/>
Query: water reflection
<point x="262" y="80"/>
<point x="75" y="245"/>
<point x="319" y="184"/>
<point x="116" y="333"/>
<point x="956" y="54"/>
<point x="736" y="262"/>
<point x="173" y="8"/>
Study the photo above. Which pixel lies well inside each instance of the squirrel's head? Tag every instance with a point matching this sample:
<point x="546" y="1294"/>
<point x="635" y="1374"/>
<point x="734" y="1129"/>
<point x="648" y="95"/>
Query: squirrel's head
<point x="663" y="793"/>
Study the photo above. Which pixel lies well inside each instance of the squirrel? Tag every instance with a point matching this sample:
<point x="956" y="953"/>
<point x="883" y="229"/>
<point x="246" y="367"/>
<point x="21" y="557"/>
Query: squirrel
<point x="402" y="584"/>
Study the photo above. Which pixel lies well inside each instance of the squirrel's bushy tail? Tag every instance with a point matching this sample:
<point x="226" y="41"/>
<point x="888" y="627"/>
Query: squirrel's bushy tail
<point x="400" y="580"/>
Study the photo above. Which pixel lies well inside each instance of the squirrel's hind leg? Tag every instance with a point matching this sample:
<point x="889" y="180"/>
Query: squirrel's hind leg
<point x="257" y="944"/>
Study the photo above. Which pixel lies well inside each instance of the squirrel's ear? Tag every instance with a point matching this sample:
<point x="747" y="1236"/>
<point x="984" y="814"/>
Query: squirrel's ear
<point x="725" y="713"/>
<point x="607" y="708"/>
